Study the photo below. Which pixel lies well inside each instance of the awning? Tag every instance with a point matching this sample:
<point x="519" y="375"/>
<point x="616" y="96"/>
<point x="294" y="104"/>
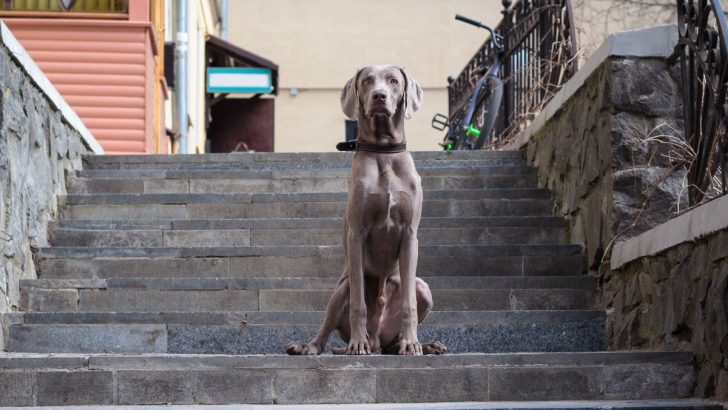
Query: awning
<point x="221" y="53"/>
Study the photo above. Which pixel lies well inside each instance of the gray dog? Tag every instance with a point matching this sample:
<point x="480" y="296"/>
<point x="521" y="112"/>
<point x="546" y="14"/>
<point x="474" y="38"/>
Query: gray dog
<point x="378" y="300"/>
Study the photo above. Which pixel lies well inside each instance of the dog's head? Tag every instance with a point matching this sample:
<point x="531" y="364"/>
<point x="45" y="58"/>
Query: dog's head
<point x="381" y="90"/>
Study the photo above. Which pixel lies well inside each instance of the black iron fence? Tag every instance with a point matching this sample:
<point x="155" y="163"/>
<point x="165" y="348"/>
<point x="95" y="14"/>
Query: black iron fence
<point x="539" y="57"/>
<point x="703" y="55"/>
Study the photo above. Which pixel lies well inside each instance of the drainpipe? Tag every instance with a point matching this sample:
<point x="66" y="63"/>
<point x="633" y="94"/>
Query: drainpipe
<point x="224" y="19"/>
<point x="180" y="74"/>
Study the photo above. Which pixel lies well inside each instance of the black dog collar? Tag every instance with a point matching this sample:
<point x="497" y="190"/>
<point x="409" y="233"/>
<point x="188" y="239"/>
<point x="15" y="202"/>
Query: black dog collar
<point x="365" y="146"/>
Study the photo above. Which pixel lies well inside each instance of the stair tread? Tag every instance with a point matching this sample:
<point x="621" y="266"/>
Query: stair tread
<point x="168" y="360"/>
<point x="182" y="283"/>
<point x="432" y="195"/>
<point x="295" y="318"/>
<point x="303" y="223"/>
<point x="289" y="156"/>
<point x="455" y="170"/>
<point x="307" y="250"/>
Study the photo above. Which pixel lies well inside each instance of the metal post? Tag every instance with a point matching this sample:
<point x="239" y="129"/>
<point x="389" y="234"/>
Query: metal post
<point x="508" y="94"/>
<point x="224" y="19"/>
<point x="180" y="74"/>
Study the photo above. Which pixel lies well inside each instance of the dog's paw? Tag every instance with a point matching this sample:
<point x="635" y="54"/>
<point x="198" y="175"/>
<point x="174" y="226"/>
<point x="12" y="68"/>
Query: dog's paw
<point x="358" y="346"/>
<point x="433" y="348"/>
<point x="410" y="348"/>
<point x="301" y="348"/>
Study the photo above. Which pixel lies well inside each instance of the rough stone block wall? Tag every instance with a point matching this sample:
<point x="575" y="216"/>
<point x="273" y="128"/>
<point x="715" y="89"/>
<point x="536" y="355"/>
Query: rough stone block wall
<point x="677" y="300"/>
<point x="594" y="158"/>
<point x="37" y="150"/>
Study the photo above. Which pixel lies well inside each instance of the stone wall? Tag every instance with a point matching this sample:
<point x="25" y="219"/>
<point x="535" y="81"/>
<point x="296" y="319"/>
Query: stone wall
<point x="677" y="300"/>
<point x="38" y="148"/>
<point x="591" y="149"/>
<point x="606" y="179"/>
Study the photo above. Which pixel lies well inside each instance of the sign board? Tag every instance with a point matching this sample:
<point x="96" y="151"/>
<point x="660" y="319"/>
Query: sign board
<point x="239" y="80"/>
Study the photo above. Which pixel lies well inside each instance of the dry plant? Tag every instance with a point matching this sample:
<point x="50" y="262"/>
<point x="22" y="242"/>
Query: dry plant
<point x="536" y="82"/>
<point x="679" y="156"/>
<point x="596" y="19"/>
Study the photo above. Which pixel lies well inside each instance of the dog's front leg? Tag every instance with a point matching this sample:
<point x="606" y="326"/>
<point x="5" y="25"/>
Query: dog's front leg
<point x="408" y="342"/>
<point x="359" y="341"/>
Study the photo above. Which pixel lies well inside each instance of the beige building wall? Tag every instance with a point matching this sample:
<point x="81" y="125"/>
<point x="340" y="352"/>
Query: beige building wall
<point x="318" y="45"/>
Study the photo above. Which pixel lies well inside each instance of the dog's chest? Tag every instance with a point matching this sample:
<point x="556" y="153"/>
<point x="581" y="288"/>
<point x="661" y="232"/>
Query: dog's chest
<point x="393" y="198"/>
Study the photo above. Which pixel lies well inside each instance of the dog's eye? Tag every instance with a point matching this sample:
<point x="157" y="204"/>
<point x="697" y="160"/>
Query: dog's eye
<point x="365" y="81"/>
<point x="393" y="81"/>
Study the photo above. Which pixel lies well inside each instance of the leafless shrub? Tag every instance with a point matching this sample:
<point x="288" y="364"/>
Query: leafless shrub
<point x="596" y="19"/>
<point x="544" y="78"/>
<point x="678" y="155"/>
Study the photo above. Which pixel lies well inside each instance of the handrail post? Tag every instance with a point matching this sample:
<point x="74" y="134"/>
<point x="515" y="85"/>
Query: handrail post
<point x="507" y="105"/>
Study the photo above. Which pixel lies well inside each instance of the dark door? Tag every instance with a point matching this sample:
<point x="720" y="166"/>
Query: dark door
<point x="237" y="123"/>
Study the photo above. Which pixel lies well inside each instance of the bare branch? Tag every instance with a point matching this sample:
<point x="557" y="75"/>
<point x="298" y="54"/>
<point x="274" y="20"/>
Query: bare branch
<point x="4" y="236"/>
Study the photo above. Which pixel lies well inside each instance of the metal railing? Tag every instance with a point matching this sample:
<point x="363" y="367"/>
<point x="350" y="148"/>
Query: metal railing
<point x="703" y="55"/>
<point x="539" y="57"/>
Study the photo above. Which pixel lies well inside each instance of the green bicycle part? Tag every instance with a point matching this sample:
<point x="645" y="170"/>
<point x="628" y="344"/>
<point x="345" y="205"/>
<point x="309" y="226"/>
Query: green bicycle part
<point x="472" y="131"/>
<point x="448" y="146"/>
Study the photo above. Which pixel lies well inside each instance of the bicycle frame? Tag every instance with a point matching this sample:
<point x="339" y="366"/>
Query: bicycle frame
<point x="493" y="72"/>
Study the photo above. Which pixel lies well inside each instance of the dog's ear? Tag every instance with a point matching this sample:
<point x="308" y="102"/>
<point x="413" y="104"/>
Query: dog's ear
<point x="350" y="97"/>
<point x="413" y="95"/>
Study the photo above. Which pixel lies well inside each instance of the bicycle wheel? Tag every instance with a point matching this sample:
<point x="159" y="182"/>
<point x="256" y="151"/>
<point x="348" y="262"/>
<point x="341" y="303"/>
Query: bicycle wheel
<point x="487" y="111"/>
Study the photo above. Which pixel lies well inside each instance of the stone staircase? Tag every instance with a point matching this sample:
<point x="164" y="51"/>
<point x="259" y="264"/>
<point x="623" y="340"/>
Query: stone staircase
<point x="180" y="279"/>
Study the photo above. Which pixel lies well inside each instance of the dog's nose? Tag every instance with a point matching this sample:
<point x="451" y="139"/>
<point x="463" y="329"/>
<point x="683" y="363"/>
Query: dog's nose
<point x="379" y="96"/>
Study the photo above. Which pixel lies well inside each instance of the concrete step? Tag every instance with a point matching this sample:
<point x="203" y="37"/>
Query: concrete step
<point x="290" y="156"/>
<point x="462" y="251"/>
<point x="219" y="185"/>
<point x="311" y="283"/>
<point x="301" y="223"/>
<point x="287" y="300"/>
<point x="675" y="404"/>
<point x="325" y="262"/>
<point x="293" y="236"/>
<point x="267" y="198"/>
<point x="454" y="169"/>
<point x="283" y="160"/>
<point x="269" y="332"/>
<point x="439" y="208"/>
<point x="437" y="317"/>
<point x="175" y="379"/>
<point x="273" y="165"/>
<point x="692" y="404"/>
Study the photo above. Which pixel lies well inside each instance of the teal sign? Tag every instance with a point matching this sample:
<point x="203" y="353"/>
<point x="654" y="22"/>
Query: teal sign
<point x="239" y="80"/>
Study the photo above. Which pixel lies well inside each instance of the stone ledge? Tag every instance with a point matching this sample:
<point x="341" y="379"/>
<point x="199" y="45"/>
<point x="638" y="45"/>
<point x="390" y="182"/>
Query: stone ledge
<point x="704" y="220"/>
<point x="39" y="78"/>
<point x="658" y="42"/>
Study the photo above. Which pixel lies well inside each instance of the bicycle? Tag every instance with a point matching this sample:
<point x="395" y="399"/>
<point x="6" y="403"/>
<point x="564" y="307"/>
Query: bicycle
<point x="469" y="132"/>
